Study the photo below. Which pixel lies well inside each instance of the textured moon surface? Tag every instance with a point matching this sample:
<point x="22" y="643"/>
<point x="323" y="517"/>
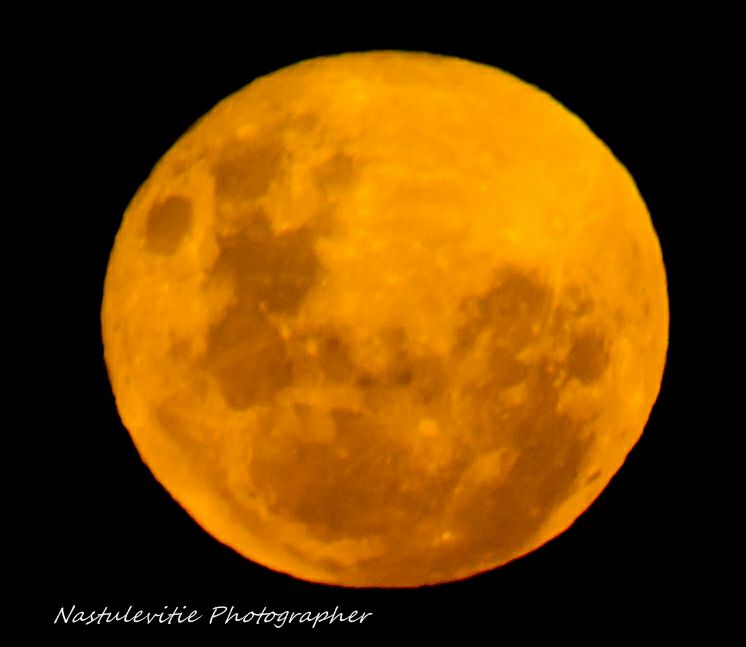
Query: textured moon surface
<point x="386" y="319"/>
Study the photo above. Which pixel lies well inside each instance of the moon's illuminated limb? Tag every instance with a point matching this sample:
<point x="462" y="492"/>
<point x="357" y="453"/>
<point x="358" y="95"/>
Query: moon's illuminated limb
<point x="386" y="319"/>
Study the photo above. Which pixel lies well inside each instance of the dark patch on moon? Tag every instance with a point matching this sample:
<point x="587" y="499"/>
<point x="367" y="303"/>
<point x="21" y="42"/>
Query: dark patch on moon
<point x="247" y="356"/>
<point x="336" y="173"/>
<point x="244" y="170"/>
<point x="167" y="223"/>
<point x="275" y="270"/>
<point x="588" y="357"/>
<point x="360" y="485"/>
<point x="506" y="369"/>
<point x="544" y="448"/>
<point x="270" y="273"/>
<point x="332" y="490"/>
<point x="548" y="448"/>
<point x="509" y="310"/>
<point x="335" y="358"/>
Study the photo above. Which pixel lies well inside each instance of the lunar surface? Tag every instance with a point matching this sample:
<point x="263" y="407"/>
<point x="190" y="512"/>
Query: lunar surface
<point x="386" y="319"/>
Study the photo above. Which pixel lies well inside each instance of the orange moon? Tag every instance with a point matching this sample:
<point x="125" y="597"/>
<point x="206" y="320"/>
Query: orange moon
<point x="386" y="319"/>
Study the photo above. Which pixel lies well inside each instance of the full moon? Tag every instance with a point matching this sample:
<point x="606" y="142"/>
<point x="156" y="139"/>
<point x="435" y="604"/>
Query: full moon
<point x="386" y="319"/>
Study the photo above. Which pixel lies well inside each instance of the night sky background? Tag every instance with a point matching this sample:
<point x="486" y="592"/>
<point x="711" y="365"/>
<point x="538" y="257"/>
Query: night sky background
<point x="112" y="536"/>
